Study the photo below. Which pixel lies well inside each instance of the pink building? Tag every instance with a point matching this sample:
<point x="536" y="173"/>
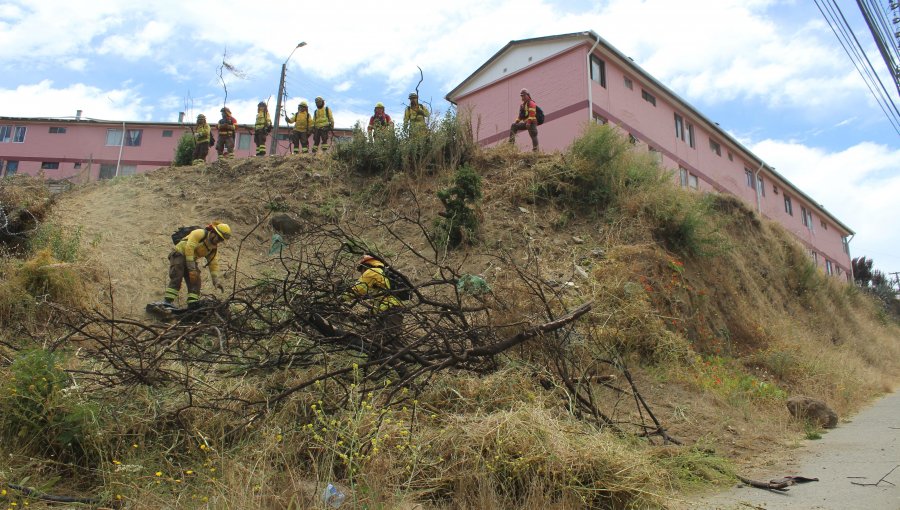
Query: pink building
<point x="579" y="78"/>
<point x="81" y="150"/>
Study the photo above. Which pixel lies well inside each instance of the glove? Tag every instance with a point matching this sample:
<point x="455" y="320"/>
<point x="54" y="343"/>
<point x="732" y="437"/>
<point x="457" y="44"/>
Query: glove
<point x="191" y="266"/>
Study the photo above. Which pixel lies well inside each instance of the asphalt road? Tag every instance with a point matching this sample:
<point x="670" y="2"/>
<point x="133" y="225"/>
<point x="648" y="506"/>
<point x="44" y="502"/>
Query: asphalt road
<point x="863" y="451"/>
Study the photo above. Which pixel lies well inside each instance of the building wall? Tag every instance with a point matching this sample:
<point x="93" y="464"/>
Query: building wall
<point x="559" y="85"/>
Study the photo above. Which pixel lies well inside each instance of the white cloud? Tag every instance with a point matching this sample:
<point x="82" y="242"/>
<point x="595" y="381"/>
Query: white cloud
<point x="859" y="185"/>
<point x="139" y="45"/>
<point x="115" y="104"/>
<point x="343" y="86"/>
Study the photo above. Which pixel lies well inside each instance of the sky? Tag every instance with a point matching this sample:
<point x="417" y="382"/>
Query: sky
<point x="771" y="73"/>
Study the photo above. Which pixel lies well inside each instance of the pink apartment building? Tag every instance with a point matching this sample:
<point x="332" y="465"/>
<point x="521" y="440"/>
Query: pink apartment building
<point x="579" y="78"/>
<point x="81" y="150"/>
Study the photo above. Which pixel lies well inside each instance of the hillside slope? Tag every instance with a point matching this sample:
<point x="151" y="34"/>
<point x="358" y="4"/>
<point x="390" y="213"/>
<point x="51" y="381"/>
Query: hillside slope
<point x="717" y="312"/>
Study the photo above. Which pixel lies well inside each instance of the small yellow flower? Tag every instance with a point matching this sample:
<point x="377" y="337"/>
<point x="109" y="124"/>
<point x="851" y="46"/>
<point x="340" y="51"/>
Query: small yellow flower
<point x="135" y="445"/>
<point x="203" y="446"/>
<point x="159" y="473"/>
<point x="278" y="437"/>
<point x="205" y="499"/>
<point x="212" y="470"/>
<point x="116" y="462"/>
<point x="189" y="472"/>
<point x="178" y="480"/>
<point x="119" y="497"/>
<point x="3" y="492"/>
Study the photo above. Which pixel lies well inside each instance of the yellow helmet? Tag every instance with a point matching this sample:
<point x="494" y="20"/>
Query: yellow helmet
<point x="222" y="229"/>
<point x="302" y="104"/>
<point x="379" y="105"/>
<point x="368" y="261"/>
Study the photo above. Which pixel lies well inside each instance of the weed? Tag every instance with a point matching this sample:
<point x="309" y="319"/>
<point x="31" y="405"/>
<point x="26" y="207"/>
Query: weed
<point x="459" y="222"/>
<point x="811" y="432"/>
<point x="64" y="245"/>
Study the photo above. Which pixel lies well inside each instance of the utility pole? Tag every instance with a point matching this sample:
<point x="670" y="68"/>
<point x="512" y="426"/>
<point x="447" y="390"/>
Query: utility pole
<point x="895" y="282"/>
<point x="274" y="148"/>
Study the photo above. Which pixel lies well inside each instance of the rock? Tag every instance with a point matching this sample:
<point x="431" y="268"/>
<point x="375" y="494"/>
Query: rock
<point x="577" y="240"/>
<point x="284" y="224"/>
<point x="598" y="253"/>
<point x="581" y="273"/>
<point x="816" y="411"/>
<point x="523" y="210"/>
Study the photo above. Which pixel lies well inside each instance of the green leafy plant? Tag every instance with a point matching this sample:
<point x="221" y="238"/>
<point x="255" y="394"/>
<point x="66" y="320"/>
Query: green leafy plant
<point x="459" y="221"/>
<point x="184" y="151"/>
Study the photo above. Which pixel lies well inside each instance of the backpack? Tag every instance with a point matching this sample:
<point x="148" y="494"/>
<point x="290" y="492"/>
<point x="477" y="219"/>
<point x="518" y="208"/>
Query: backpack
<point x="399" y="288"/>
<point x="183" y="232"/>
<point x="539" y="115"/>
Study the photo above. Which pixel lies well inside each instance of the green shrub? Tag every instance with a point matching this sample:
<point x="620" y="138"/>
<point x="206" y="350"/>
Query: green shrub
<point x="184" y="151"/>
<point x="40" y="412"/>
<point x="459" y="221"/>
<point x="64" y="245"/>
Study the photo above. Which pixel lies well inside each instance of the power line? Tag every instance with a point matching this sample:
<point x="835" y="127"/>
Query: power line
<point x="873" y="24"/>
<point x="849" y="42"/>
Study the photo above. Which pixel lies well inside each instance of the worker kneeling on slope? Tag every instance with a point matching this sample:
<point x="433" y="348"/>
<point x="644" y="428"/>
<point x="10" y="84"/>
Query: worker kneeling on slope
<point x="198" y="243"/>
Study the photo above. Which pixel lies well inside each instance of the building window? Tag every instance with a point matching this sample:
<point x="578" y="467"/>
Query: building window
<point x="19" y="134"/>
<point x="715" y="147"/>
<point x="846" y="244"/>
<point x="244" y="140"/>
<point x="50" y="165"/>
<point x="632" y="139"/>
<point x="693" y="182"/>
<point x="824" y="225"/>
<point x="5" y="132"/>
<point x="599" y="119"/>
<point x="788" y="207"/>
<point x="730" y="157"/>
<point x="760" y="185"/>
<point x="598" y="71"/>
<point x="679" y="127"/>
<point x="829" y="270"/>
<point x="167" y="133"/>
<point x="690" y="135"/>
<point x="13" y="166"/>
<point x="132" y="137"/>
<point x="657" y="156"/>
<point x="806" y="217"/>
<point x="57" y="130"/>
<point x="77" y="166"/>
<point x="648" y="97"/>
<point x="108" y="171"/>
<point x="683" y="176"/>
<point x="628" y="84"/>
<point x="749" y="174"/>
<point x="815" y="256"/>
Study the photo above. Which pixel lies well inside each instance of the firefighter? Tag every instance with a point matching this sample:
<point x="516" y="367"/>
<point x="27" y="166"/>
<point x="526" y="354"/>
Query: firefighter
<point x="262" y="128"/>
<point x="302" y="126"/>
<point x="202" y="139"/>
<point x="323" y="124"/>
<point x="372" y="289"/>
<point x="526" y="121"/>
<point x="379" y="123"/>
<point x="199" y="243"/>
<point x="226" y="128"/>
<point x="415" y="118"/>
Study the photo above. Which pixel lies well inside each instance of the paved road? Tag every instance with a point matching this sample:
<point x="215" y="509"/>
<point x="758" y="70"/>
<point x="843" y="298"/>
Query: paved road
<point x="862" y="451"/>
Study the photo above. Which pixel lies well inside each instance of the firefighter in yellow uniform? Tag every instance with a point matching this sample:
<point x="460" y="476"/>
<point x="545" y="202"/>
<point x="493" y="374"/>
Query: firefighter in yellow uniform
<point x="262" y="128"/>
<point x="226" y="128"/>
<point x="323" y="124"/>
<point x="201" y="140"/>
<point x="200" y="243"/>
<point x="373" y="289"/>
<point x="415" y="118"/>
<point x="302" y="122"/>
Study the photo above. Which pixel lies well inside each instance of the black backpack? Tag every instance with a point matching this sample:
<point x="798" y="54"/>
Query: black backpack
<point x="182" y="232"/>
<point x="399" y="288"/>
<point x="539" y="115"/>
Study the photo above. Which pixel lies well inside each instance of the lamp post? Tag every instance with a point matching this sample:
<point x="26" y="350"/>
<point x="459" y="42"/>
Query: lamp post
<point x="274" y="148"/>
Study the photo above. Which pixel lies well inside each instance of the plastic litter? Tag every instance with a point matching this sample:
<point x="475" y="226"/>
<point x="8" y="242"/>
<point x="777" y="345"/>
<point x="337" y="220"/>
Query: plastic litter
<point x="333" y="497"/>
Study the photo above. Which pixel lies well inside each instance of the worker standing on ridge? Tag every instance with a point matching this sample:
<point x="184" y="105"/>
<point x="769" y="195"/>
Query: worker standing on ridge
<point x="323" y="123"/>
<point x="302" y="125"/>
<point x="262" y="128"/>
<point x="226" y="127"/>
<point x="199" y="243"/>
<point x="415" y="118"/>
<point x="379" y="123"/>
<point x="202" y="136"/>
<point x="527" y="120"/>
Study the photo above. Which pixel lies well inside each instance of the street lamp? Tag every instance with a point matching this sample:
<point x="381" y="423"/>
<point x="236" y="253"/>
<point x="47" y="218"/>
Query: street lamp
<point x="274" y="147"/>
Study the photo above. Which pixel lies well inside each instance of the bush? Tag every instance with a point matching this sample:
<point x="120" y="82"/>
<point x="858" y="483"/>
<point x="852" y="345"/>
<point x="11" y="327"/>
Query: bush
<point x="63" y="245"/>
<point x="184" y="151"/>
<point x="39" y="411"/>
<point x="459" y="221"/>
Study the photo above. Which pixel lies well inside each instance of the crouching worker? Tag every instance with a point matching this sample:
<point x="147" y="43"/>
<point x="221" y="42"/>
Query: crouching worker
<point x="373" y="289"/>
<point x="198" y="243"/>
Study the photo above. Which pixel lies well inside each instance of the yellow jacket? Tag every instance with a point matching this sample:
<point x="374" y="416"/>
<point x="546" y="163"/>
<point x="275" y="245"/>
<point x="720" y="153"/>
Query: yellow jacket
<point x="301" y="124"/>
<point x="415" y="117"/>
<point x="323" y="118"/>
<point x="196" y="245"/>
<point x="263" y="120"/>
<point x="202" y="133"/>
<point x="373" y="283"/>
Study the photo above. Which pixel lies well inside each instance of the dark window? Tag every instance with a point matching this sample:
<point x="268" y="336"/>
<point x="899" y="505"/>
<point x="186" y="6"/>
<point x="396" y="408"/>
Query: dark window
<point x="77" y="166"/>
<point x="844" y="241"/>
<point x="730" y="157"/>
<point x="107" y="171"/>
<point x="599" y="119"/>
<point x="788" y="207"/>
<point x="5" y="133"/>
<point x="57" y="130"/>
<point x="714" y="146"/>
<point x="628" y="84"/>
<point x="683" y="176"/>
<point x="760" y="185"/>
<point x="806" y="217"/>
<point x="132" y="137"/>
<point x="13" y="166"/>
<point x="244" y="140"/>
<point x="167" y="133"/>
<point x="19" y="136"/>
<point x="824" y="225"/>
<point x="690" y="135"/>
<point x="648" y="97"/>
<point x="679" y="127"/>
<point x="749" y="174"/>
<point x="632" y="139"/>
<point x="693" y="182"/>
<point x="598" y="71"/>
<point x="50" y="165"/>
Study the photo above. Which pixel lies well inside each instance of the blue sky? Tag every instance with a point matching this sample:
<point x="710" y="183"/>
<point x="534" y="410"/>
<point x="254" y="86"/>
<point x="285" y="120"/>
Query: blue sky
<point x="770" y="72"/>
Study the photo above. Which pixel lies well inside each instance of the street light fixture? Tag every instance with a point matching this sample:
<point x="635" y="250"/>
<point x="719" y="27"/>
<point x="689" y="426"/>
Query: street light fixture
<point x="274" y="148"/>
